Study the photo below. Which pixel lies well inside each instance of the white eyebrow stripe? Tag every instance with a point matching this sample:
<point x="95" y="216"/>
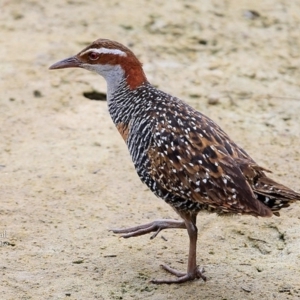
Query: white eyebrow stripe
<point x="105" y="51"/>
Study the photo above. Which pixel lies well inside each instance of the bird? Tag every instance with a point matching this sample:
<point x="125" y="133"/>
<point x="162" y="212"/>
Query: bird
<point x="183" y="156"/>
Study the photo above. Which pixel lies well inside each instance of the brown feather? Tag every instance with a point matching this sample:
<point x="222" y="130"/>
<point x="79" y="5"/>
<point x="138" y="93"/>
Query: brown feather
<point x="198" y="162"/>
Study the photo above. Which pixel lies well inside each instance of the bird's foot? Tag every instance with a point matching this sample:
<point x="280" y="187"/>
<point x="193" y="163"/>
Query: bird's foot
<point x="155" y="226"/>
<point x="181" y="276"/>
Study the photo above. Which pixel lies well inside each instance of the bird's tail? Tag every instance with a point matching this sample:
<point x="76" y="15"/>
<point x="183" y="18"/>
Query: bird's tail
<point x="273" y="194"/>
<point x="269" y="192"/>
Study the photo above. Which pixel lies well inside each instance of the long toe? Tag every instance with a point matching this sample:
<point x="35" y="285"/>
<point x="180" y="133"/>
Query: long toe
<point x="173" y="271"/>
<point x="181" y="279"/>
<point x="181" y="276"/>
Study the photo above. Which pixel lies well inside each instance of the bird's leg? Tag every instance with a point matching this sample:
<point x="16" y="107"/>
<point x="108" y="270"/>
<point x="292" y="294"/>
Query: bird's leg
<point x="155" y="226"/>
<point x="193" y="271"/>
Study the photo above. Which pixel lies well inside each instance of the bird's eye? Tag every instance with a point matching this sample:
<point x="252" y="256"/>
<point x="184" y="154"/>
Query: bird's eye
<point x="93" y="55"/>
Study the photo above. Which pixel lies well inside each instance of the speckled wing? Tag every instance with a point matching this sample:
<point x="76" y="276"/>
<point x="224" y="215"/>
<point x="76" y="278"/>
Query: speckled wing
<point x="192" y="158"/>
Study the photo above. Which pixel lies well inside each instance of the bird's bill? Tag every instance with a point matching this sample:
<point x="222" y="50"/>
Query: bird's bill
<point x="70" y="62"/>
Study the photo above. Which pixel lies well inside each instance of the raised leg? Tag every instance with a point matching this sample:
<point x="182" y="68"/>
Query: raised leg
<point x="155" y="226"/>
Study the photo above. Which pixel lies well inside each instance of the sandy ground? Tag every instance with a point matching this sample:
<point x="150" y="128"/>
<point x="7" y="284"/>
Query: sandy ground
<point x="65" y="173"/>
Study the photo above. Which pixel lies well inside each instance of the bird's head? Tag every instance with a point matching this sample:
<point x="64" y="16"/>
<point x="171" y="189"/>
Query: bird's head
<point x="110" y="59"/>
